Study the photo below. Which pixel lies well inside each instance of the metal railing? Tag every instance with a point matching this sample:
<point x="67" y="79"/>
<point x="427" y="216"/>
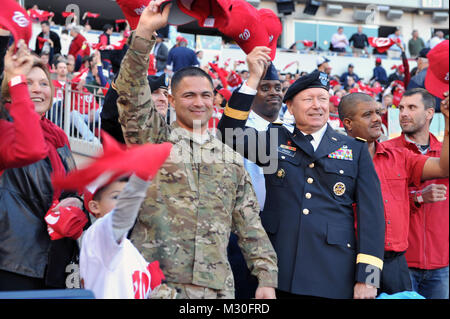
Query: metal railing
<point x="77" y="112"/>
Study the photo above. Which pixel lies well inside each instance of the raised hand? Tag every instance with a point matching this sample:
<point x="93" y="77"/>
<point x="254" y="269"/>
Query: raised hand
<point x="18" y="63"/>
<point x="258" y="61"/>
<point x="153" y="19"/>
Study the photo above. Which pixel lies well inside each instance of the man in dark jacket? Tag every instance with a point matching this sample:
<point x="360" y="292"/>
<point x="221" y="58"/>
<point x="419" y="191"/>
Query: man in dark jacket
<point x="379" y="73"/>
<point x="53" y="47"/>
<point x="161" y="53"/>
<point x="359" y="42"/>
<point x="348" y="74"/>
<point x="418" y="80"/>
<point x="181" y="56"/>
<point x="313" y="177"/>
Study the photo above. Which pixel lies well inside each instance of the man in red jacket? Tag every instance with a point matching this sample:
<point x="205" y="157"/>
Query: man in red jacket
<point x="428" y="241"/>
<point x="397" y="169"/>
<point x="78" y="46"/>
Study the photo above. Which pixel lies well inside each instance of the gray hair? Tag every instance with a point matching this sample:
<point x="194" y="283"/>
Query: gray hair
<point x="76" y="29"/>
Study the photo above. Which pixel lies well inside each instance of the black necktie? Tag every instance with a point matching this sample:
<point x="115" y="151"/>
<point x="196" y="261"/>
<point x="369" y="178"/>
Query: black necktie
<point x="309" y="138"/>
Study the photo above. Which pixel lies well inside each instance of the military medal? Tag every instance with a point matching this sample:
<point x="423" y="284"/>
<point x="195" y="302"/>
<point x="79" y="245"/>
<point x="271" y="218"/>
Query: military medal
<point x="339" y="189"/>
<point x="287" y="150"/>
<point x="287" y="147"/>
<point x="344" y="153"/>
<point x="281" y="173"/>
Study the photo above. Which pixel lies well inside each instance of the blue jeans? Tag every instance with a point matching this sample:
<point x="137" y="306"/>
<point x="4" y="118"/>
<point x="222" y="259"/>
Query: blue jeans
<point x="81" y="123"/>
<point x="430" y="283"/>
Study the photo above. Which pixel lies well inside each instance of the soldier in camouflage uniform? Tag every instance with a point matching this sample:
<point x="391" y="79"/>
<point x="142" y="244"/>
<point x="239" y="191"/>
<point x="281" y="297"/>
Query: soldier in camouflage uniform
<point x="199" y="194"/>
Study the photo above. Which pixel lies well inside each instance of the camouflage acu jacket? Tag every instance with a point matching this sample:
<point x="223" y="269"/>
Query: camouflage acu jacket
<point x="199" y="196"/>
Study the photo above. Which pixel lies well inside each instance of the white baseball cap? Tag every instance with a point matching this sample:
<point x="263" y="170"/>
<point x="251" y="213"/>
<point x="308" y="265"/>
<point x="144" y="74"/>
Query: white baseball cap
<point x="321" y="60"/>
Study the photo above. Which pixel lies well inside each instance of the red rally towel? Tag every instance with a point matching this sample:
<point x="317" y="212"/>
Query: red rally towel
<point x="116" y="161"/>
<point x="156" y="273"/>
<point x="65" y="222"/>
<point x="381" y="44"/>
<point x="15" y="19"/>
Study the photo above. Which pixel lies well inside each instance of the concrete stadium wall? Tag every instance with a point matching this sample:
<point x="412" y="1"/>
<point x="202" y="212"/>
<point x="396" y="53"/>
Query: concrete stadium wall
<point x="407" y="23"/>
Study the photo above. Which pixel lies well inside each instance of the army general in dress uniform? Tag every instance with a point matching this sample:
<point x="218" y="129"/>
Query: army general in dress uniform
<point x="323" y="210"/>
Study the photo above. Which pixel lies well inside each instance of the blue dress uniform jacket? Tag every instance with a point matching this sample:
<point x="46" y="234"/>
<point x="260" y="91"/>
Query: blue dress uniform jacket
<point x="309" y="210"/>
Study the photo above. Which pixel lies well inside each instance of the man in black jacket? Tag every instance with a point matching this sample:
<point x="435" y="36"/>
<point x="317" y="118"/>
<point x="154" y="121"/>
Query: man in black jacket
<point x="161" y="53"/>
<point x="313" y="176"/>
<point x="53" y="47"/>
<point x="359" y="42"/>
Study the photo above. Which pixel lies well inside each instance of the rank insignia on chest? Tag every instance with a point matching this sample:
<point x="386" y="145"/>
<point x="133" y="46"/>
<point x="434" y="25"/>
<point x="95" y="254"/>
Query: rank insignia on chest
<point x="339" y="189"/>
<point x="281" y="173"/>
<point x="344" y="153"/>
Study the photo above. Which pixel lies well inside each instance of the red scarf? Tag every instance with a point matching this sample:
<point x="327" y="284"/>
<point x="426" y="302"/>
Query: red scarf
<point x="55" y="138"/>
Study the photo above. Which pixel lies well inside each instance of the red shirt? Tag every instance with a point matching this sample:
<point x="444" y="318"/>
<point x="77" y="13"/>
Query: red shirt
<point x="397" y="169"/>
<point x="215" y="118"/>
<point x="76" y="46"/>
<point x="21" y="141"/>
<point x="103" y="40"/>
<point x="83" y="101"/>
<point x="151" y="66"/>
<point x="59" y="90"/>
<point x="336" y="121"/>
<point x="428" y="229"/>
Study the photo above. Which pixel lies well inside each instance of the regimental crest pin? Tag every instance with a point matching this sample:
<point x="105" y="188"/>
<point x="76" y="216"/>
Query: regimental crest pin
<point x="281" y="173"/>
<point x="339" y="189"/>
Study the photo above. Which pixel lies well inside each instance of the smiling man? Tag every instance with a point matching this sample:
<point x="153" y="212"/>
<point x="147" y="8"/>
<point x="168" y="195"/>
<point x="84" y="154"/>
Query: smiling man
<point x="193" y="202"/>
<point x="267" y="103"/>
<point x="308" y="212"/>
<point x="397" y="168"/>
<point x="159" y="86"/>
<point x="265" y="110"/>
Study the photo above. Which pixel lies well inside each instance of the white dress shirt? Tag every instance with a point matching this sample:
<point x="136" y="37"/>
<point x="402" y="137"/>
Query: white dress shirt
<point x="317" y="136"/>
<point x="256" y="173"/>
